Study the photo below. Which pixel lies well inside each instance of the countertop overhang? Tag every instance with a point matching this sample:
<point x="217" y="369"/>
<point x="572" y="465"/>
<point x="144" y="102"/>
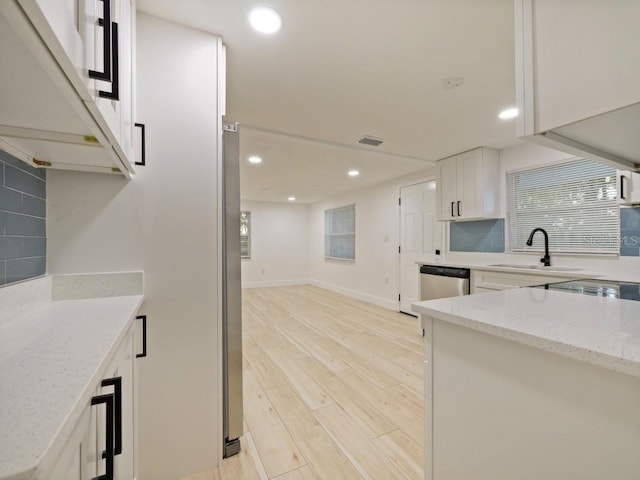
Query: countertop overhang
<point x="597" y="330"/>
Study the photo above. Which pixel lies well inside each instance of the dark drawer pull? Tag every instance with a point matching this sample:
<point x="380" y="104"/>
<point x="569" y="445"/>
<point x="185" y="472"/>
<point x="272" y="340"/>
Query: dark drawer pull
<point x="458" y="207"/>
<point x="108" y="400"/>
<point x="622" y="195"/>
<point x="143" y="160"/>
<point x="114" y="94"/>
<point x="144" y="336"/>
<point x="105" y="23"/>
<point x="116" y="383"/>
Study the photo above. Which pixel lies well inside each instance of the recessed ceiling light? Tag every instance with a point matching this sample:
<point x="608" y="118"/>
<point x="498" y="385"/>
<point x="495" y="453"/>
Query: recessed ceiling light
<point x="255" y="160"/>
<point x="265" y="20"/>
<point x="354" y="173"/>
<point x="508" y="113"/>
<point x="291" y="199"/>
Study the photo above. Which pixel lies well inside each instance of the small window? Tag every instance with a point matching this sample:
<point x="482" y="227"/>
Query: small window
<point x="340" y="233"/>
<point x="245" y="234"/>
<point x="575" y="202"/>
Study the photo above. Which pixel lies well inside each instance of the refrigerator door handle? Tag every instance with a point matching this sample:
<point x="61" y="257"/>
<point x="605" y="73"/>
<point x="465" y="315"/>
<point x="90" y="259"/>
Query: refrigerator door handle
<point x="231" y="290"/>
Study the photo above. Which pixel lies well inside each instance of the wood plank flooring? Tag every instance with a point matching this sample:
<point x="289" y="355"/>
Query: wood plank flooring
<point x="332" y="390"/>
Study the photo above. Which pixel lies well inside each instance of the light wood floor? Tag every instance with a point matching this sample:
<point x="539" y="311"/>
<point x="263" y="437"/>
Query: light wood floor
<point x="332" y="390"/>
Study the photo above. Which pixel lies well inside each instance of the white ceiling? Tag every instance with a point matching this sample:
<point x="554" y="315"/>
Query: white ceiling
<point x="342" y="69"/>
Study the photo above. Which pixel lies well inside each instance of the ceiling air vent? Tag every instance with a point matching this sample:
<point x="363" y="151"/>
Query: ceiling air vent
<point x="372" y="141"/>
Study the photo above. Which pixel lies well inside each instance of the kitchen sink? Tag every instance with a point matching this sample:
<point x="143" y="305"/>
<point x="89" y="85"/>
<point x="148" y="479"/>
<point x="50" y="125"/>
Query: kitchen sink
<point x="537" y="267"/>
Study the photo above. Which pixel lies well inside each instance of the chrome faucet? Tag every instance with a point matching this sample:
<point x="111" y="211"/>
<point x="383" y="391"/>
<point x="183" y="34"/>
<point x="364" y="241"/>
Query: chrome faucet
<point x="546" y="260"/>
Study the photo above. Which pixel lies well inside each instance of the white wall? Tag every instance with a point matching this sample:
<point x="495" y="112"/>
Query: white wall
<point x="279" y="245"/>
<point x="377" y="240"/>
<point x="164" y="222"/>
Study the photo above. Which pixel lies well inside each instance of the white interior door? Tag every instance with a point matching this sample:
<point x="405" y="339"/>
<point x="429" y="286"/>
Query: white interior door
<point x="420" y="237"/>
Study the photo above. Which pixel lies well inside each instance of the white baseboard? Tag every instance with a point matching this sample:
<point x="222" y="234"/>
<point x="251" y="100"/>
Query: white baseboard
<point x="275" y="283"/>
<point x="380" y="302"/>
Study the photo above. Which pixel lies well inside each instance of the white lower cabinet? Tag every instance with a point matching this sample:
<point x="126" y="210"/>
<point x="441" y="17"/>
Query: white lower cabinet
<point x="73" y="462"/>
<point x="101" y="445"/>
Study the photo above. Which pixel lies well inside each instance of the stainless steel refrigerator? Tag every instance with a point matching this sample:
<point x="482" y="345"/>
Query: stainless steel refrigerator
<point x="231" y="290"/>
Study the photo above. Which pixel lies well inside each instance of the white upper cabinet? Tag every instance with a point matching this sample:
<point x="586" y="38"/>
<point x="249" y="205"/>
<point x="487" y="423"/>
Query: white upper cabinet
<point x="578" y="77"/>
<point x="468" y="185"/>
<point x="68" y="67"/>
<point x="628" y="187"/>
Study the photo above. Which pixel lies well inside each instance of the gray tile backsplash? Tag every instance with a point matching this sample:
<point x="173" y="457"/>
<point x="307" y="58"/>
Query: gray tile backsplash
<point x="488" y="235"/>
<point x="630" y="232"/>
<point x="477" y="236"/>
<point x="23" y="211"/>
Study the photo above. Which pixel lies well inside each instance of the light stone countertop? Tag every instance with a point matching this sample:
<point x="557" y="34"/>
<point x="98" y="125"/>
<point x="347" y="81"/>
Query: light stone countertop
<point x="586" y="271"/>
<point x="52" y="355"/>
<point x="597" y="330"/>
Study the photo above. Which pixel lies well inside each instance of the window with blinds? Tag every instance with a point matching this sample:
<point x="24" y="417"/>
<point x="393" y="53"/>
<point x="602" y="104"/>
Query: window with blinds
<point x="245" y="234"/>
<point x="575" y="202"/>
<point x="340" y="233"/>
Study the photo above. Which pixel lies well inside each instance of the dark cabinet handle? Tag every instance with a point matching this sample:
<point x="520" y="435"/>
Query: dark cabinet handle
<point x="452" y="214"/>
<point x="144" y="336"/>
<point x="622" y="195"/>
<point x="114" y="94"/>
<point x="143" y="160"/>
<point x="116" y="383"/>
<point x="108" y="400"/>
<point x="458" y="207"/>
<point x="105" y="23"/>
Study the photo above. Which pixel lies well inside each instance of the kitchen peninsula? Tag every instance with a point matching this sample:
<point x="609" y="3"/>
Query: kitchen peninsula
<point x="530" y="383"/>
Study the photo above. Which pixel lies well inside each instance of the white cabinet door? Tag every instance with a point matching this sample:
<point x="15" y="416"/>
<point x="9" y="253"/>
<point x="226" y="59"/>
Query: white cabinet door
<point x="79" y="459"/>
<point x="469" y="185"/>
<point x="447" y="188"/>
<point x="628" y="187"/>
<point x="127" y="83"/>
<point x="578" y="78"/>
<point x="92" y="460"/>
<point x="74" y="34"/>
<point x="59" y="23"/>
<point x="113" y="103"/>
<point x="83" y="457"/>
<point x="106" y="109"/>
<point x="587" y="59"/>
<point x="124" y="368"/>
<point x="70" y="463"/>
<point x="118" y="380"/>
<point x="121" y="368"/>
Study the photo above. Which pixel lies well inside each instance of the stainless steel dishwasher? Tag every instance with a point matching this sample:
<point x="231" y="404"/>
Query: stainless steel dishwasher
<point x="441" y="282"/>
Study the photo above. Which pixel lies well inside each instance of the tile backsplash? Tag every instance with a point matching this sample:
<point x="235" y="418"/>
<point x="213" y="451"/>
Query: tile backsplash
<point x="630" y="232"/>
<point x="477" y="236"/>
<point x="23" y="242"/>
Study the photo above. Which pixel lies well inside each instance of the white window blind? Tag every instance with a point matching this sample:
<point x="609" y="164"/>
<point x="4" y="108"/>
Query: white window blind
<point x="340" y="233"/>
<point x="245" y="234"/>
<point x="575" y="202"/>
